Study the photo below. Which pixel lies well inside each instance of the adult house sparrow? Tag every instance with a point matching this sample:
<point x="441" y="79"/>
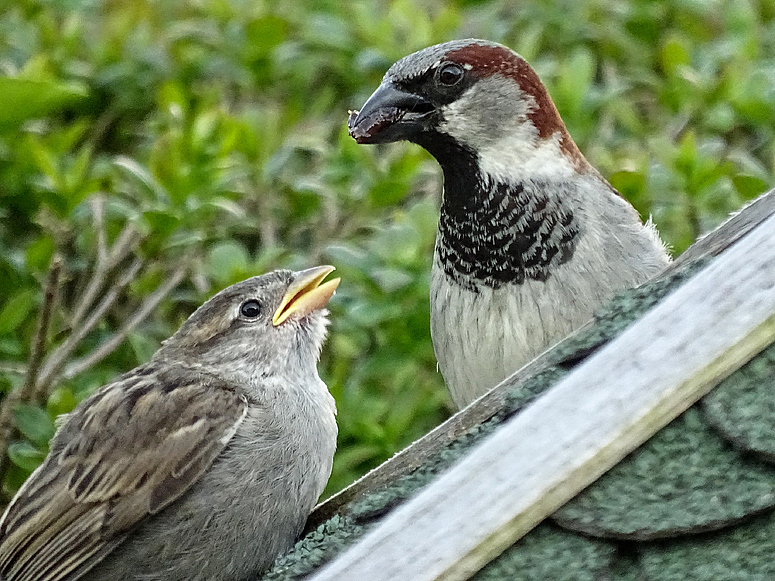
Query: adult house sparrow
<point x="202" y="464"/>
<point x="531" y="237"/>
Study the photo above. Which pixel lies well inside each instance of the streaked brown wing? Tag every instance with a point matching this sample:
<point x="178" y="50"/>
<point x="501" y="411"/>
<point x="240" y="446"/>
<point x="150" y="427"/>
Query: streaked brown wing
<point x="135" y="447"/>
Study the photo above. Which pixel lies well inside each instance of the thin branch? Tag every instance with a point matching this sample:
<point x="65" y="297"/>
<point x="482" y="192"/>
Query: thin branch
<point x="13" y="367"/>
<point x="267" y="226"/>
<point x="56" y="361"/>
<point x="118" y="337"/>
<point x="103" y="265"/>
<point x="39" y="340"/>
<point x="98" y="278"/>
<point x="7" y="425"/>
<point x="123" y="245"/>
<point x="23" y="393"/>
<point x="98" y="213"/>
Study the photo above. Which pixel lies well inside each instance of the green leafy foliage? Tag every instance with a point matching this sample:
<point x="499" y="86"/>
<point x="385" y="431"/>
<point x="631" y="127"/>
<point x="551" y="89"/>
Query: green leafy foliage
<point x="25" y="99"/>
<point x="211" y="136"/>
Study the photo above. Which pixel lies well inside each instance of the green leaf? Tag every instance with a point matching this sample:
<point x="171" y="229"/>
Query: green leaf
<point x="391" y="279"/>
<point x="143" y="346"/>
<point x="577" y="74"/>
<point x="355" y="455"/>
<point x="347" y="255"/>
<point x="227" y="260"/>
<point x="631" y="185"/>
<point x="61" y="401"/>
<point x="673" y="55"/>
<point x="25" y="99"/>
<point x="388" y="192"/>
<point x="749" y="186"/>
<point x="162" y="223"/>
<point x="264" y="34"/>
<point x="34" y="423"/>
<point x="372" y="314"/>
<point x="398" y="244"/>
<point x="142" y="176"/>
<point x="39" y="253"/>
<point x="25" y="455"/>
<point x="16" y="310"/>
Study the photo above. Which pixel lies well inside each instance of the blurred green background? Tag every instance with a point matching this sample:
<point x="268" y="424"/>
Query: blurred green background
<point x="152" y="153"/>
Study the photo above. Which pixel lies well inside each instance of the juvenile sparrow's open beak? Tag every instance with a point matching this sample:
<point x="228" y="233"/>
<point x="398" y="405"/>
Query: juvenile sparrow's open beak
<point x="306" y="294"/>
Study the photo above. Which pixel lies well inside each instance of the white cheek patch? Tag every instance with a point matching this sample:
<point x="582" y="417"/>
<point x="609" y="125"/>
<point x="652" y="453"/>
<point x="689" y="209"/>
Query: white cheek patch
<point x="524" y="155"/>
<point x="490" y="120"/>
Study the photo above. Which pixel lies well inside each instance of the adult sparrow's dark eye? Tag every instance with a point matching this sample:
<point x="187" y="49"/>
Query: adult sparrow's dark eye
<point x="450" y="74"/>
<point x="250" y="309"/>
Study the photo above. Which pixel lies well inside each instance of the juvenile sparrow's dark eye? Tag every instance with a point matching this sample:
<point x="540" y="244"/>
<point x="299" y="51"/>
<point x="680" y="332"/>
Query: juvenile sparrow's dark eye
<point x="450" y="74"/>
<point x="250" y="309"/>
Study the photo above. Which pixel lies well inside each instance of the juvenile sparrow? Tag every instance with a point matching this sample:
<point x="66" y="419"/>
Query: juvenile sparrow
<point x="202" y="464"/>
<point x="531" y="237"/>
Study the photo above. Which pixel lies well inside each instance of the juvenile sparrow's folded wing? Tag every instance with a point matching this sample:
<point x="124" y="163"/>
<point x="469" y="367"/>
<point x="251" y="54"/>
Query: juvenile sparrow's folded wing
<point x="140" y="443"/>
